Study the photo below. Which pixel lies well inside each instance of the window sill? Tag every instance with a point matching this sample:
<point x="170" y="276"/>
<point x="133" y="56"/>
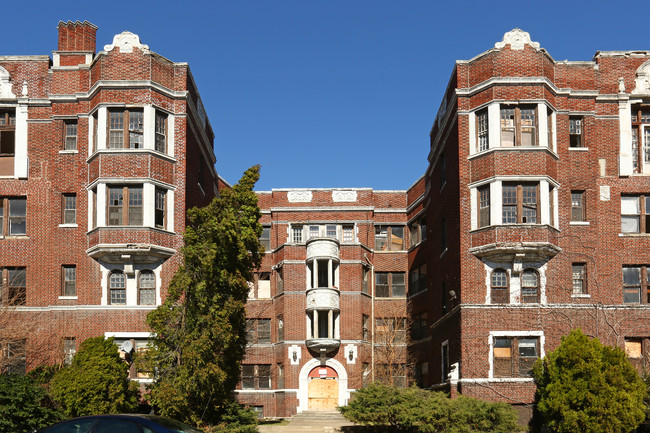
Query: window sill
<point x="578" y="149"/>
<point x="126" y="150"/>
<point x="68" y="151"/>
<point x="14" y="237"/>
<point x="633" y="235"/>
<point x="68" y="297"/>
<point x="389" y="251"/>
<point x="68" y="226"/>
<point x="581" y="295"/>
<point x="513" y="148"/>
<point x="579" y="223"/>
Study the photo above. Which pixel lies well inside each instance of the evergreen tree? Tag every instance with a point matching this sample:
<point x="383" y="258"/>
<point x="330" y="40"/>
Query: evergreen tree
<point x="96" y="382"/>
<point x="24" y="405"/>
<point x="584" y="386"/>
<point x="200" y="329"/>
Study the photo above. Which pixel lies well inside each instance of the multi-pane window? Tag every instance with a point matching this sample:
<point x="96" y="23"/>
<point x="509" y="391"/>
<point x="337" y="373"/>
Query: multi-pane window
<point x="146" y="288"/>
<point x="640" y="138"/>
<point x="484" y="206"/>
<point x="419" y="326"/>
<point x="117" y="288"/>
<point x="265" y="238"/>
<point x="418" y="231"/>
<point x="125" y="205"/>
<point x="13" y="216"/>
<point x="13" y="357"/>
<point x="389" y="284"/>
<point x="499" y="293"/>
<point x="69" y="280"/>
<point x="69" y="350"/>
<point x="279" y="280"/>
<point x="579" y="278"/>
<point x="418" y="279"/>
<point x="161" y="132"/>
<point x="390" y="330"/>
<point x="577" y="205"/>
<point x="422" y="374"/>
<point x="258" y="331"/>
<point x="365" y="327"/>
<point x="518" y="126"/>
<point x="330" y="231"/>
<point x="520" y="203"/>
<point x="14" y="286"/>
<point x="280" y="322"/>
<point x="296" y="234"/>
<point x="314" y="232"/>
<point x="256" y="376"/>
<point x="160" y="208"/>
<point x="575" y="132"/>
<point x="7" y="141"/>
<point x="529" y="286"/>
<point x="70" y="139"/>
<point x="365" y="279"/>
<point x="125" y="129"/>
<point x="636" y="289"/>
<point x="635" y="214"/>
<point x="482" y="130"/>
<point x="348" y="233"/>
<point x="69" y="205"/>
<point x="389" y="238"/>
<point x="392" y="374"/>
<point x="637" y="350"/>
<point x="514" y="357"/>
<point x="260" y="287"/>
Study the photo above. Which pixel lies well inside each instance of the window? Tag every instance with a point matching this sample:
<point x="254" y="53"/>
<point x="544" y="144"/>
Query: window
<point x="577" y="205"/>
<point x="499" y="293"/>
<point x="280" y="321"/>
<point x="418" y="231"/>
<point x="296" y="234"/>
<point x="160" y="215"/>
<point x="418" y="279"/>
<point x="365" y="327"/>
<point x="518" y="126"/>
<point x="117" y="288"/>
<point x="366" y="374"/>
<point x="484" y="206"/>
<point x="635" y="214"/>
<point x="444" y="352"/>
<point x="390" y="330"/>
<point x="14" y="357"/>
<point x="529" y="286"/>
<point x="265" y="238"/>
<point x="260" y="287"/>
<point x="389" y="238"/>
<point x="69" y="208"/>
<point x="640" y="139"/>
<point x="70" y="139"/>
<point x="422" y="374"/>
<point x="514" y="357"/>
<point x="520" y="203"/>
<point x="365" y="277"/>
<point x="13" y="216"/>
<point x="575" y="132"/>
<point x="419" y="326"/>
<point x="313" y="232"/>
<point x="256" y="376"/>
<point x="579" y="277"/>
<point x="280" y="376"/>
<point x="69" y="350"/>
<point x="125" y="129"/>
<point x="638" y="353"/>
<point x="124" y="205"/>
<point x="14" y="286"/>
<point x="139" y="347"/>
<point x="161" y="132"/>
<point x="482" y="130"/>
<point x="68" y="280"/>
<point x="279" y="280"/>
<point x="389" y="284"/>
<point x="392" y="374"/>
<point x="146" y="288"/>
<point x="258" y="331"/>
<point x="7" y="141"/>
<point x="348" y="233"/>
<point x="635" y="285"/>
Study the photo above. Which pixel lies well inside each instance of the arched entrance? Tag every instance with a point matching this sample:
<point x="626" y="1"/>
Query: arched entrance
<point x="305" y="380"/>
<point x="323" y="389"/>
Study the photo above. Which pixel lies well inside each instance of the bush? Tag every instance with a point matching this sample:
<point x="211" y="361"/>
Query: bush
<point x="416" y="410"/>
<point x="235" y="419"/>
<point x="24" y="405"/>
<point x="96" y="382"/>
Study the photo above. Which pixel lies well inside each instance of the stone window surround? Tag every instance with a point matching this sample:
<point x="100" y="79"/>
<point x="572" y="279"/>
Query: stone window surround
<point x="132" y="272"/>
<point x="517" y="334"/>
<point x="514" y="272"/>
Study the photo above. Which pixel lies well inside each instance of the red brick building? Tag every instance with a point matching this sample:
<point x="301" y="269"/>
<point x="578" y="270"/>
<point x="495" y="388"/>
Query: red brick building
<point x="531" y="220"/>
<point x="101" y="153"/>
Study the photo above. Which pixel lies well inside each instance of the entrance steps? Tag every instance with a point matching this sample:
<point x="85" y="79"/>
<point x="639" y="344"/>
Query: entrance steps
<point x="310" y="421"/>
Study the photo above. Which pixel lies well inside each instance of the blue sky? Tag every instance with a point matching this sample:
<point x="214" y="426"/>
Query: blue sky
<point x="327" y="93"/>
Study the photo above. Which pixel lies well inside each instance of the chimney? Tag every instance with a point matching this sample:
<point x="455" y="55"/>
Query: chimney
<point x="76" y="43"/>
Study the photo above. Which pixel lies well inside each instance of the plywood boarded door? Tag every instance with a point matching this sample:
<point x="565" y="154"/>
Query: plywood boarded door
<point x="323" y="394"/>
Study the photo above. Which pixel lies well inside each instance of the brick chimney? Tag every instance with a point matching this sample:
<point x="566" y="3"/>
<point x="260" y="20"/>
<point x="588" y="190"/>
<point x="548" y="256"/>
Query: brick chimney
<point x="77" y="43"/>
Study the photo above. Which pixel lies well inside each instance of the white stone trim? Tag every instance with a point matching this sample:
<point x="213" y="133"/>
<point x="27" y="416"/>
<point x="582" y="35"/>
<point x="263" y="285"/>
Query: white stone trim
<point x="517" y="39"/>
<point x="303" y="378"/>
<point x="132" y="272"/>
<point x="126" y="41"/>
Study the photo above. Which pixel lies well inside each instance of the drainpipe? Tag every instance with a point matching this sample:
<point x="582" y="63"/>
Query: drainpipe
<point x="372" y="318"/>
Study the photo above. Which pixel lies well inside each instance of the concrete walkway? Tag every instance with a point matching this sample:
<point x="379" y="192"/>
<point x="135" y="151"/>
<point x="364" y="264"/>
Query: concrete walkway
<point x="317" y="422"/>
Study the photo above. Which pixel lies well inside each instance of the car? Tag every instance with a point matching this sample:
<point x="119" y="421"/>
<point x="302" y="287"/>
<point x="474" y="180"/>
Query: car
<point x="121" y="423"/>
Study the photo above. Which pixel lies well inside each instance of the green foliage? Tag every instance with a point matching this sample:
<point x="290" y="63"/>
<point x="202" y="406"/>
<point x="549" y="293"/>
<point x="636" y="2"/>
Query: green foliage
<point x="96" y="382"/>
<point x="420" y="411"/>
<point x="200" y="329"/>
<point x="236" y="419"/>
<point x="24" y="405"/>
<point x="584" y="386"/>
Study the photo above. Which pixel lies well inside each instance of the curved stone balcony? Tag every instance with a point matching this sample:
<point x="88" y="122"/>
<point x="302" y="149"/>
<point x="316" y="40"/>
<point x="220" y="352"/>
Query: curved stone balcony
<point x="323" y="298"/>
<point x="322" y="345"/>
<point x="138" y="244"/>
<point x="323" y="248"/>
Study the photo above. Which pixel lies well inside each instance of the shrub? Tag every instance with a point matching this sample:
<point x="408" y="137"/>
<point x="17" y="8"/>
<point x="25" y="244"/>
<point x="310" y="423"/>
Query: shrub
<point x="24" y="405"/>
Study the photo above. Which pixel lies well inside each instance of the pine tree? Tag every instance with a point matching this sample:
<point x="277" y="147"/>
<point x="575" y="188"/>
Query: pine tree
<point x="584" y="386"/>
<point x="200" y="329"/>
